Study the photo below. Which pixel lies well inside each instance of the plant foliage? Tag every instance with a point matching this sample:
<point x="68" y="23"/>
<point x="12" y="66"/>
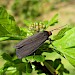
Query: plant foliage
<point x="64" y="42"/>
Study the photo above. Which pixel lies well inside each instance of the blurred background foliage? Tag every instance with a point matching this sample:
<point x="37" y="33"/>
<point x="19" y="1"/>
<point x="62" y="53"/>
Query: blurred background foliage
<point x="27" y="12"/>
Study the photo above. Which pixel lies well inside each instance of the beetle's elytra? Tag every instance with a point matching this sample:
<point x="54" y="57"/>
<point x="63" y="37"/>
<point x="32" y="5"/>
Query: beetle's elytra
<point x="31" y="44"/>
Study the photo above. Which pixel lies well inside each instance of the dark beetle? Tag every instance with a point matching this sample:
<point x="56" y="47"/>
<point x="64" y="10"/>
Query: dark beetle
<point x="31" y="44"/>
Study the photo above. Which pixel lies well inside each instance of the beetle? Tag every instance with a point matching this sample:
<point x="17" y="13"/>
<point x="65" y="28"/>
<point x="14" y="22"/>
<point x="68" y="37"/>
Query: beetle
<point x="32" y="43"/>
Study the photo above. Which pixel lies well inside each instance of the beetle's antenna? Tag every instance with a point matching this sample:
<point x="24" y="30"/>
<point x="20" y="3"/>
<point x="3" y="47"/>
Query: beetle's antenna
<point x="58" y="28"/>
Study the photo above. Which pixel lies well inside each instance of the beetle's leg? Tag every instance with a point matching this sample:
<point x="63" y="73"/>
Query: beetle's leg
<point x="50" y="41"/>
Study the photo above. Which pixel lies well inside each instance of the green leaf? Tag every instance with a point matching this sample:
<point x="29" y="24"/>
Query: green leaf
<point x="17" y="61"/>
<point x="11" y="70"/>
<point x="60" y="34"/>
<point x="6" y="57"/>
<point x="38" y="58"/>
<point x="28" y="68"/>
<point x="29" y="58"/>
<point x="24" y="67"/>
<point x="21" y="67"/>
<point x="66" y="45"/>
<point x="6" y="65"/>
<point x="7" y="24"/>
<point x="52" y="21"/>
<point x="45" y="22"/>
